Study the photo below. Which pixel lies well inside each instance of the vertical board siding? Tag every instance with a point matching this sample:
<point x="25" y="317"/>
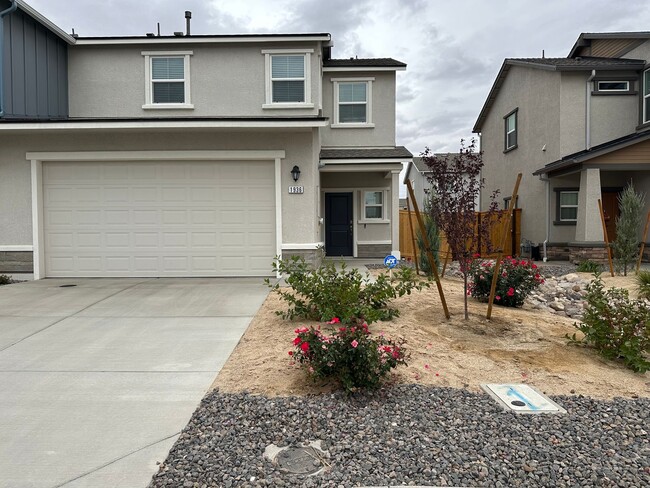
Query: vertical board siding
<point x="35" y="70"/>
<point x="512" y="247"/>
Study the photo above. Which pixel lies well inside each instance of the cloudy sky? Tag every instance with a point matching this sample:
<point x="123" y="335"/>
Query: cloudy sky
<point x="453" y="49"/>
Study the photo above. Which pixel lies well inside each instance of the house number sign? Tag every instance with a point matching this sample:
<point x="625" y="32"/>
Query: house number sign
<point x="296" y="189"/>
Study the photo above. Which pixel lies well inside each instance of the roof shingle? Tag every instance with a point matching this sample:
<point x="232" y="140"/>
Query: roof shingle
<point x="364" y="62"/>
<point x="396" y="152"/>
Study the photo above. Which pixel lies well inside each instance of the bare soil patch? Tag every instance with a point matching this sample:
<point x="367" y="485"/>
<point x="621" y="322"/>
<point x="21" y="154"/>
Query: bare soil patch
<point x="516" y="345"/>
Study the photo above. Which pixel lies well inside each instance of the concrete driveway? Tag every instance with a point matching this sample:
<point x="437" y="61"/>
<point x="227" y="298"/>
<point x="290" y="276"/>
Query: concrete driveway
<point x="98" y="379"/>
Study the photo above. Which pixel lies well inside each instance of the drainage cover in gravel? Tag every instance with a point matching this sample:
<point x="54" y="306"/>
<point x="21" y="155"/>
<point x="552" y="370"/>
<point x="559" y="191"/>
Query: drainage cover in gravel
<point x="303" y="460"/>
<point x="521" y="398"/>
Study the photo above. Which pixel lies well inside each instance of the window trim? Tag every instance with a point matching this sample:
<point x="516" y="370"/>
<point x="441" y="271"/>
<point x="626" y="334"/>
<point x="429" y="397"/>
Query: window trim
<point x="558" y="206"/>
<point x="507" y="148"/>
<point x="596" y="90"/>
<point x="337" y="124"/>
<point x="269" y="103"/>
<point x="148" y="86"/>
<point x="645" y="118"/>
<point x="366" y="220"/>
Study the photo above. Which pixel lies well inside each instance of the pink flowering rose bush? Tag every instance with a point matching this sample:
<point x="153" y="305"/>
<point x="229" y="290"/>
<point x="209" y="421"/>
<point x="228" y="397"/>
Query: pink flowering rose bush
<point x="517" y="278"/>
<point x="351" y="355"/>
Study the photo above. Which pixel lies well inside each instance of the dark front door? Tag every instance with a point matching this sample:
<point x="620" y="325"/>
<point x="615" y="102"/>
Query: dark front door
<point x="338" y="224"/>
<point x="610" y="209"/>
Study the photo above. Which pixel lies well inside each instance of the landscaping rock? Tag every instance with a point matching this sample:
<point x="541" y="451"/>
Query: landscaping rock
<point x="413" y="435"/>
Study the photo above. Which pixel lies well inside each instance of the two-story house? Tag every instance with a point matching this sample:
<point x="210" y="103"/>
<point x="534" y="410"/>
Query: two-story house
<point x="190" y="155"/>
<point x="578" y="128"/>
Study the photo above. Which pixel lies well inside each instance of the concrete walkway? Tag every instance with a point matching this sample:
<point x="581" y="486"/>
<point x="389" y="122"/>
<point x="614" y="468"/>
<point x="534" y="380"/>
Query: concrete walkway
<point x="97" y="380"/>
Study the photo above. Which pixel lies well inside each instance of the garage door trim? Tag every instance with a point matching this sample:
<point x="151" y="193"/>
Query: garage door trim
<point x="37" y="159"/>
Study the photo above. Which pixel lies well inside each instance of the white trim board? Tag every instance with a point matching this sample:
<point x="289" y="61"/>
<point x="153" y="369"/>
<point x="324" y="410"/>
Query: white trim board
<point x="37" y="158"/>
<point x="302" y="247"/>
<point x="199" y="40"/>
<point x="17" y="248"/>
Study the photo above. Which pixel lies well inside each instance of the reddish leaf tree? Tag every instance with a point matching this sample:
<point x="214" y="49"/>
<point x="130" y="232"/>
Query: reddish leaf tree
<point x="455" y="187"/>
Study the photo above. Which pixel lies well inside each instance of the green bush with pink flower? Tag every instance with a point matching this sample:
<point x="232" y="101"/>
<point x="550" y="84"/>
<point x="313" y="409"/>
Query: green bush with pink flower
<point x="517" y="278"/>
<point x="350" y="355"/>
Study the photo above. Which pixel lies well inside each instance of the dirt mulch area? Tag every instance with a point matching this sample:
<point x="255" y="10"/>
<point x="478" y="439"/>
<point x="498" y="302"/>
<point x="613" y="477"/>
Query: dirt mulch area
<point x="515" y="346"/>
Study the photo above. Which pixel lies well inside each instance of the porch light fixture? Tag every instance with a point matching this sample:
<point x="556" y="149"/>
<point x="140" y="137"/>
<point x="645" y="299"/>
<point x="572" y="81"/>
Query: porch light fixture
<point x="295" y="173"/>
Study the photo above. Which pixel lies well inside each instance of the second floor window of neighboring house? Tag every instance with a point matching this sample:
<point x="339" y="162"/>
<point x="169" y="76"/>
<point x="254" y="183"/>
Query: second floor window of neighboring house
<point x="568" y="206"/>
<point x="288" y="78"/>
<point x="646" y="96"/>
<point x="167" y="80"/>
<point x="510" y="141"/>
<point x="352" y="102"/>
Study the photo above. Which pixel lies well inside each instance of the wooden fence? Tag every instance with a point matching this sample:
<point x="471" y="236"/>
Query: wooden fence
<point x="512" y="245"/>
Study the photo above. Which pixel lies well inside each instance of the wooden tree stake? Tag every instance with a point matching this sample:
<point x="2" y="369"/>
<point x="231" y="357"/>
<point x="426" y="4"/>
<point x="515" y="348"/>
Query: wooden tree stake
<point x="645" y="234"/>
<point x="427" y="247"/>
<point x="447" y="254"/>
<point x="415" y="247"/>
<point x="504" y="237"/>
<point x="607" y="248"/>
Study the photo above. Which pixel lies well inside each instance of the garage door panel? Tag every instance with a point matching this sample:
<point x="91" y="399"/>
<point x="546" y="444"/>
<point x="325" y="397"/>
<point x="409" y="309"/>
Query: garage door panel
<point x="159" y="219"/>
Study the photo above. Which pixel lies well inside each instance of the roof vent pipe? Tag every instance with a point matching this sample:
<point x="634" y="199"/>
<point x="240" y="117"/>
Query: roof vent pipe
<point x="3" y="14"/>
<point x="188" y="20"/>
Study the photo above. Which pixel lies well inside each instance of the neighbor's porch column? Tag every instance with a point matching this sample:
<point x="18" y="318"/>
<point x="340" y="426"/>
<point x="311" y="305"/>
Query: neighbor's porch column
<point x="589" y="227"/>
<point x="394" y="218"/>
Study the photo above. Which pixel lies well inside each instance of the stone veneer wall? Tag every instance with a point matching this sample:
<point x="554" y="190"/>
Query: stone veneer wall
<point x="373" y="250"/>
<point x="576" y="253"/>
<point x="312" y="256"/>
<point x="16" y="262"/>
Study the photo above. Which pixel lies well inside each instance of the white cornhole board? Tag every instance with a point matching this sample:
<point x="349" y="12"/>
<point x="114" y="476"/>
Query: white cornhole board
<point x="520" y="398"/>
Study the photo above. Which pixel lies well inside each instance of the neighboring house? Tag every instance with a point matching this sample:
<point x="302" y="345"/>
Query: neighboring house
<point x="190" y="155"/>
<point x="418" y="173"/>
<point x="578" y="128"/>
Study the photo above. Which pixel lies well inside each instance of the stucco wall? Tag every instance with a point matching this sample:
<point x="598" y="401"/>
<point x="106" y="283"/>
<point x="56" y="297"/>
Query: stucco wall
<point x="573" y="96"/>
<point x="299" y="211"/>
<point x="383" y="112"/>
<point x="226" y="80"/>
<point x="537" y="95"/>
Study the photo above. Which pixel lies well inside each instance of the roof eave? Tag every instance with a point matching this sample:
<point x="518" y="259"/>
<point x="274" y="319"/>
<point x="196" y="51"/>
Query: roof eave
<point x="505" y="67"/>
<point x="39" y="17"/>
<point x="201" y="39"/>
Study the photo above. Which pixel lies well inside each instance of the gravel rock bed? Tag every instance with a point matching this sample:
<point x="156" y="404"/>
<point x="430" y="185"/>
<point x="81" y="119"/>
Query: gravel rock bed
<point x="413" y="435"/>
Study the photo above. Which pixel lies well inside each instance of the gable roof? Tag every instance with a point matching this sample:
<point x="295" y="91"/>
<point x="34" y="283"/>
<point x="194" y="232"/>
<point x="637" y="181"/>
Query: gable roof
<point x="586" y="37"/>
<point x="586" y="154"/>
<point x="421" y="166"/>
<point x="553" y="64"/>
<point x="44" y="21"/>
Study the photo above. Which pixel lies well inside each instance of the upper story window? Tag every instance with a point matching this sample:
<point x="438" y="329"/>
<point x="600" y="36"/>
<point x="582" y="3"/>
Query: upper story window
<point x="288" y="78"/>
<point x="352" y="102"/>
<point x="167" y="84"/>
<point x="646" y="96"/>
<point x="510" y="139"/>
<point x="613" y="86"/>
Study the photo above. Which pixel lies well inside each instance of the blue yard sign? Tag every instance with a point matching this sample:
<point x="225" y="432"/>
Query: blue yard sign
<point x="390" y="261"/>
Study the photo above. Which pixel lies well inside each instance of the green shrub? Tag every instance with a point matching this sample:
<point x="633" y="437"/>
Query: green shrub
<point x="517" y="278"/>
<point x="588" y="266"/>
<point x="643" y="282"/>
<point x="616" y="326"/>
<point x="434" y="241"/>
<point x="325" y="292"/>
<point x="628" y="224"/>
<point x="5" y="280"/>
<point x="351" y="355"/>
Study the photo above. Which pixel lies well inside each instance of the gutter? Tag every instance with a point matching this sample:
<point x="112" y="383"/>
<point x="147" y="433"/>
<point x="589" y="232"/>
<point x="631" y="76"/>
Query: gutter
<point x="3" y="14"/>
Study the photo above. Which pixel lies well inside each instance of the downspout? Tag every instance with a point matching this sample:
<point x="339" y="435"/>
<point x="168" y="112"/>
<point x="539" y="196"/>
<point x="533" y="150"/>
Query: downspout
<point x="547" y="185"/>
<point x="588" y="111"/>
<point x="3" y="14"/>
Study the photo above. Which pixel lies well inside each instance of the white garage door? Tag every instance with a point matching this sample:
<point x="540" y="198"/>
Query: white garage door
<point x="158" y="218"/>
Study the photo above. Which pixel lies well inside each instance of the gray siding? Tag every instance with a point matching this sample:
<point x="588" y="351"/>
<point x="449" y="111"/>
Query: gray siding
<point x="35" y="70"/>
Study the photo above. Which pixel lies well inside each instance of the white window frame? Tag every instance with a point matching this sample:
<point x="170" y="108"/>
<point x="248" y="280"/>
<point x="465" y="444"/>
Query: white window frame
<point x="646" y="96"/>
<point x="560" y="206"/>
<point x="337" y="124"/>
<point x="613" y="90"/>
<point x="363" y="206"/>
<point x="148" y="86"/>
<point x="515" y="114"/>
<point x="268" y="54"/>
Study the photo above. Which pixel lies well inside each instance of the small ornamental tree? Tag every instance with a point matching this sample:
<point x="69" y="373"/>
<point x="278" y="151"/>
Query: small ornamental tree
<point x="628" y="223"/>
<point x="455" y="186"/>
